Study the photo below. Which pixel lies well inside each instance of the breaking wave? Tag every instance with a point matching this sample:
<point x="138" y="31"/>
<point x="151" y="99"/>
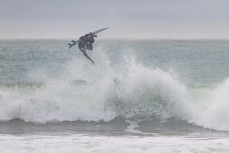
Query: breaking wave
<point x="105" y="91"/>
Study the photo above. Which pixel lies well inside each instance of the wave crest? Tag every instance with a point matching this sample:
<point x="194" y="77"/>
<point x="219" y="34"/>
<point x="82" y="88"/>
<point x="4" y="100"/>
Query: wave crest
<point x="82" y="92"/>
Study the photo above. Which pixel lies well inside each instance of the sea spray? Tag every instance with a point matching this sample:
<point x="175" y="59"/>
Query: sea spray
<point x="149" y="92"/>
<point x="103" y="92"/>
<point x="135" y="91"/>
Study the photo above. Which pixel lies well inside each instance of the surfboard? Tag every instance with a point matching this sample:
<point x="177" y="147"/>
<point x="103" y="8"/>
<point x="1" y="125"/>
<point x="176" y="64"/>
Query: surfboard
<point x="100" y="30"/>
<point x="76" y="42"/>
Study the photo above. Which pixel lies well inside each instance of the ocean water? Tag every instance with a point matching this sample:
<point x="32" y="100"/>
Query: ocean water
<point x="162" y="96"/>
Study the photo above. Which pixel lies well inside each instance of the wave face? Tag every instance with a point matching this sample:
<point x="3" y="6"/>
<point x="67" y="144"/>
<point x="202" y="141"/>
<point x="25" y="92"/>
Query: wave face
<point x="103" y="92"/>
<point x="212" y="108"/>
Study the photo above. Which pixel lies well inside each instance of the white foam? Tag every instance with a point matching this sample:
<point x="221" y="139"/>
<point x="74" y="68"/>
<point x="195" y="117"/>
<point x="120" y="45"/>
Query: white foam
<point x="213" y="108"/>
<point x="128" y="90"/>
<point x="114" y="144"/>
<point x="102" y="98"/>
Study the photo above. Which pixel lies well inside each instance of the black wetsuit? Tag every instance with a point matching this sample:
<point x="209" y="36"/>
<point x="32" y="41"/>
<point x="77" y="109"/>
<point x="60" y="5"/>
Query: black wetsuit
<point x="86" y="42"/>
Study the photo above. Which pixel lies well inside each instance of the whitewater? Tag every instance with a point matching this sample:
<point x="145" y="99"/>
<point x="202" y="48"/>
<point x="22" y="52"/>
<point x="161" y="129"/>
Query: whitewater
<point x="140" y="96"/>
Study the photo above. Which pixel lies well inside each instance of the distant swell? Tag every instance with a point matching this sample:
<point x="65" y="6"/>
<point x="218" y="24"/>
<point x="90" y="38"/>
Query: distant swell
<point x="82" y="92"/>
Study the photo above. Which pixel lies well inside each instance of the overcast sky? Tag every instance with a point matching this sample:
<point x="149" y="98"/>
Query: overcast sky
<point x="131" y="19"/>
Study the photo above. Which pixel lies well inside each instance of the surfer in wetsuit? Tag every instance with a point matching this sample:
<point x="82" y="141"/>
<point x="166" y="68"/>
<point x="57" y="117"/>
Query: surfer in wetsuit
<point x="85" y="42"/>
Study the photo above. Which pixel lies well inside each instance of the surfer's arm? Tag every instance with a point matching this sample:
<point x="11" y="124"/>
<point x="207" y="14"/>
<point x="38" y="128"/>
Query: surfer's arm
<point x="85" y="54"/>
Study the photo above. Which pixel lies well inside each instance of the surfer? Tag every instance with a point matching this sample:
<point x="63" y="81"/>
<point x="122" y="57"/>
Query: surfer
<point x="85" y="42"/>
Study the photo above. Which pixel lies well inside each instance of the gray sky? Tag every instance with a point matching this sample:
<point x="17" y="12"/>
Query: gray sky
<point x="131" y="19"/>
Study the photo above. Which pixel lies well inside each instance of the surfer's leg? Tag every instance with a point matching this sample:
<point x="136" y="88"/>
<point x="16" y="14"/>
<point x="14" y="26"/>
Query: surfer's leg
<point x="82" y="47"/>
<point x="89" y="46"/>
<point x="85" y="54"/>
